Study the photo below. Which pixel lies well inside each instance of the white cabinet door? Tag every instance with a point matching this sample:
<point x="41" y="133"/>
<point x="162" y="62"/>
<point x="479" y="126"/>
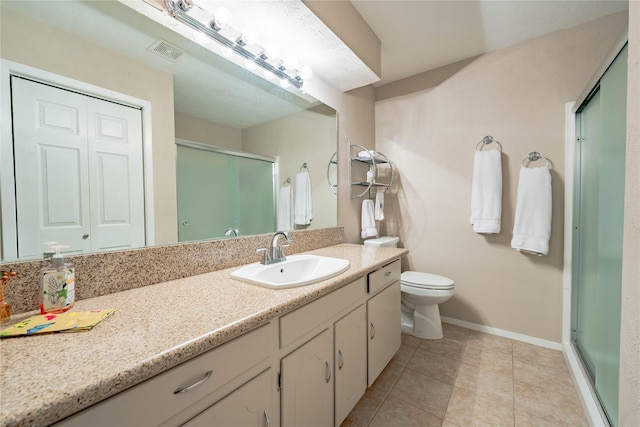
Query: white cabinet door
<point x="307" y="384"/>
<point x="384" y="335"/>
<point x="350" y="353"/>
<point x="78" y="170"/>
<point x="252" y="405"/>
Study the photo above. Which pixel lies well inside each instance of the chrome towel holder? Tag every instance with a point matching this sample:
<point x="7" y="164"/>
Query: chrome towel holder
<point x="533" y="157"/>
<point x="486" y="141"/>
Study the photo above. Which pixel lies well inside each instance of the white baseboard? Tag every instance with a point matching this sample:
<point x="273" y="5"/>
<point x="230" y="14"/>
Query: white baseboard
<point x="502" y="333"/>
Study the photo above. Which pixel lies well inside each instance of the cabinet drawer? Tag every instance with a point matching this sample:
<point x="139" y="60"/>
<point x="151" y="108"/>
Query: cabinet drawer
<point x="156" y="400"/>
<point x="381" y="278"/>
<point x="302" y="320"/>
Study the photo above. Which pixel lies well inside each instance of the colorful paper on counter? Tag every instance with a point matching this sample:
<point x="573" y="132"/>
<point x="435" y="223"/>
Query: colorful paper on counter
<point x="72" y="321"/>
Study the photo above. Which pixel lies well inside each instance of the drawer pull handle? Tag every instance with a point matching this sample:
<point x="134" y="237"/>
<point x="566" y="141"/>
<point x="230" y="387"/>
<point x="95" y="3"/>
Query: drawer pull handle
<point x="207" y="375"/>
<point x="373" y="331"/>
<point x="328" y="370"/>
<point x="387" y="274"/>
<point x="340" y="360"/>
<point x="266" y="419"/>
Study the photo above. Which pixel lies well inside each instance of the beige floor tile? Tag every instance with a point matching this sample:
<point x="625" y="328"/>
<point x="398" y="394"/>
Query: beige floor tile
<point x="487" y="358"/>
<point x="447" y="423"/>
<point x="348" y="423"/>
<point x="423" y="392"/>
<point x="469" y="409"/>
<point x="535" y="354"/>
<point x="549" y="404"/>
<point x="551" y="376"/>
<point x="396" y="412"/>
<point x="410" y="340"/>
<point x="527" y="420"/>
<point x="486" y="382"/>
<point x="435" y="366"/>
<point x="403" y="355"/>
<point x="489" y="341"/>
<point x="444" y="347"/>
<point x="385" y="381"/>
<point x="455" y="332"/>
<point x="364" y="411"/>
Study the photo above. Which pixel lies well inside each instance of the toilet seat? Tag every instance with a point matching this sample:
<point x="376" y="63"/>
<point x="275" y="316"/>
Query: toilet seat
<point x="420" y="280"/>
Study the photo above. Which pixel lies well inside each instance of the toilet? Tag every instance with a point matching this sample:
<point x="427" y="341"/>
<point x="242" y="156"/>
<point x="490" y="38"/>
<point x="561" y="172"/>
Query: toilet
<point x="421" y="294"/>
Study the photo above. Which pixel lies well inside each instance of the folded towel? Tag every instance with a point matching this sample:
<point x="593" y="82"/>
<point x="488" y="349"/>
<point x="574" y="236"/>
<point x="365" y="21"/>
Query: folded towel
<point x="532" y="226"/>
<point x="368" y="223"/>
<point x="379" y="211"/>
<point x="303" y="209"/>
<point x="486" y="192"/>
<point x="285" y="209"/>
<point x="366" y="155"/>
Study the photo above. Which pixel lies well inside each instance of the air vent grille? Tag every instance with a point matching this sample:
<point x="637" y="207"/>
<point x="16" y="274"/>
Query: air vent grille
<point x="166" y="50"/>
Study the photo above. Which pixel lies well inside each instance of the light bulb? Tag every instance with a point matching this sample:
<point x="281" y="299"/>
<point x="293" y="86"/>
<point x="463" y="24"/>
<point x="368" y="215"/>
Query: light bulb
<point x="284" y="83"/>
<point x="222" y="18"/>
<point x="227" y="51"/>
<point x="200" y="37"/>
<point x="306" y="72"/>
<point x="268" y="74"/>
<point x="271" y="51"/>
<point x="248" y="36"/>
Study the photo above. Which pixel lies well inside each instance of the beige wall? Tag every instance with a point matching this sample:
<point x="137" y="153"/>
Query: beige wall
<point x="517" y="95"/>
<point x="205" y="132"/>
<point x="629" y="413"/>
<point x="28" y="42"/>
<point x="305" y="137"/>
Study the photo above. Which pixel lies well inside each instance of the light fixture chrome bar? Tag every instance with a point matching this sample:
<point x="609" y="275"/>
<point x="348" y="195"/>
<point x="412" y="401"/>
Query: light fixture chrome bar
<point x="179" y="9"/>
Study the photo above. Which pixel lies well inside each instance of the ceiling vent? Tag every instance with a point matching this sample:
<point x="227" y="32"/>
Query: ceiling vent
<point x="166" y="50"/>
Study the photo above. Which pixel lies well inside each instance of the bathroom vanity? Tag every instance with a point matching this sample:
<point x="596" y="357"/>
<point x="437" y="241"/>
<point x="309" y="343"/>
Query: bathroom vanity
<point x="210" y="350"/>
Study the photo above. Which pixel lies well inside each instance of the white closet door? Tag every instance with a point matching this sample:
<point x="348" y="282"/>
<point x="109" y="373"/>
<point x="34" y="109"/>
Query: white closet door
<point x="78" y="170"/>
<point x="50" y="151"/>
<point x="115" y="174"/>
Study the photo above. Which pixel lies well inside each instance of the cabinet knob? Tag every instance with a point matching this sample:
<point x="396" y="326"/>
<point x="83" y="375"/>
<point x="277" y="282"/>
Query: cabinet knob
<point x="207" y="375"/>
<point x="373" y="331"/>
<point x="328" y="371"/>
<point x="267" y="421"/>
<point x="340" y="360"/>
<point x="85" y="236"/>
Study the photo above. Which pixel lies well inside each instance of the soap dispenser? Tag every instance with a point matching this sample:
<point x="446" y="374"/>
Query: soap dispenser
<point x="58" y="284"/>
<point x="49" y="252"/>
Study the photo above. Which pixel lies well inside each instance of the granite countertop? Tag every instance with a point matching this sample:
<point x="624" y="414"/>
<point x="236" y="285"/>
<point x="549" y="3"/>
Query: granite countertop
<point x="46" y="378"/>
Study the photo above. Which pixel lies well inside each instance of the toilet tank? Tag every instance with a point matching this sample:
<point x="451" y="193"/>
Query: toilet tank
<point x="388" y="241"/>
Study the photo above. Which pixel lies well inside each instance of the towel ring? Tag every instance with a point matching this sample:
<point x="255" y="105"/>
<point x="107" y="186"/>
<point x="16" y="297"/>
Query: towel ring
<point x="287" y="181"/>
<point x="534" y="156"/>
<point x="486" y="141"/>
<point x="304" y="166"/>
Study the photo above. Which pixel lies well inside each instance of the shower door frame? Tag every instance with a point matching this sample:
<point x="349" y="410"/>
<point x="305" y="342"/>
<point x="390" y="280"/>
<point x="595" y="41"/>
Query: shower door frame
<point x="578" y="370"/>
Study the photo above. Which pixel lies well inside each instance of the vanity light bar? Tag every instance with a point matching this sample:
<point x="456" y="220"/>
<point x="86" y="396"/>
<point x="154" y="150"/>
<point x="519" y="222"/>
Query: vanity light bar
<point x="180" y="10"/>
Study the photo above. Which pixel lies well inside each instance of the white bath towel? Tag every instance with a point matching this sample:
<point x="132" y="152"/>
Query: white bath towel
<point x="486" y="192"/>
<point x="532" y="227"/>
<point x="285" y="209"/>
<point x="303" y="210"/>
<point x="379" y="210"/>
<point x="368" y="224"/>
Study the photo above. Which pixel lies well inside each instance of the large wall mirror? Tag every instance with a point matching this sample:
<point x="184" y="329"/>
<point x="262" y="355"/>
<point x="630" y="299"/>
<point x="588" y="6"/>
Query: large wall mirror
<point x="185" y="95"/>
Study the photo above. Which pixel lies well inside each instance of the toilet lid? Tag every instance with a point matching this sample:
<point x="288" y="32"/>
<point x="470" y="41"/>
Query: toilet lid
<point x="425" y="280"/>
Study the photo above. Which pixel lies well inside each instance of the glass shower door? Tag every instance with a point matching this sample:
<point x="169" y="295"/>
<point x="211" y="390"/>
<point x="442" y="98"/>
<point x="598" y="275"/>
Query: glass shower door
<point x="598" y="232"/>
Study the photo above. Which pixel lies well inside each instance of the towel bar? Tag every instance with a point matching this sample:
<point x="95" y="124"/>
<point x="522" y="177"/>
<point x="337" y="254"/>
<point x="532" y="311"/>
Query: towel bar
<point x="486" y="141"/>
<point x="535" y="156"/>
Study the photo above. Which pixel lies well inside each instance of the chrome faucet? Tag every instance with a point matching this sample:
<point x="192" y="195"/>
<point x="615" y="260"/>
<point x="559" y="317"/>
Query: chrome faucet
<point x="230" y="231"/>
<point x="276" y="253"/>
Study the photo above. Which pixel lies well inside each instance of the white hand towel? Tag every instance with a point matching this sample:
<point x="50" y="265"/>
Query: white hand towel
<point x="486" y="192"/>
<point x="303" y="210"/>
<point x="379" y="211"/>
<point x="532" y="227"/>
<point x="368" y="223"/>
<point x="285" y="209"/>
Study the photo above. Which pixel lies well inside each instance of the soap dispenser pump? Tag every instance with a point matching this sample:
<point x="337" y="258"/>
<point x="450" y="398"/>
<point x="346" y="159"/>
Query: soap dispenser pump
<point x="58" y="284"/>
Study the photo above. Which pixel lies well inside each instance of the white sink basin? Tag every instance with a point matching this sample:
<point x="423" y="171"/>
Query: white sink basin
<point x="297" y="270"/>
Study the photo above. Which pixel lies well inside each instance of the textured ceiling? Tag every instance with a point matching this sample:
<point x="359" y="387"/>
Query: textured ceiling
<point x="422" y="35"/>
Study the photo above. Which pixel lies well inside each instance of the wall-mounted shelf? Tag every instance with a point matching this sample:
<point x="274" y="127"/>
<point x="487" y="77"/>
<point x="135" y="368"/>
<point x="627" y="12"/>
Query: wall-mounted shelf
<point x="369" y="171"/>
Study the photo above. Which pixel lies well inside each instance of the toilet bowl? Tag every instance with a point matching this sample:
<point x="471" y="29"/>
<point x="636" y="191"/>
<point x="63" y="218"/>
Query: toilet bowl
<point x="421" y="294"/>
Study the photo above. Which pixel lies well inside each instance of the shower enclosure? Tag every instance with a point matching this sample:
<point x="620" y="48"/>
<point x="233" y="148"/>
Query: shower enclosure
<point x="598" y="232"/>
<point x="222" y="189"/>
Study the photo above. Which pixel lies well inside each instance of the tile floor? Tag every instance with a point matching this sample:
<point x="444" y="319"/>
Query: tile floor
<point x="470" y="378"/>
